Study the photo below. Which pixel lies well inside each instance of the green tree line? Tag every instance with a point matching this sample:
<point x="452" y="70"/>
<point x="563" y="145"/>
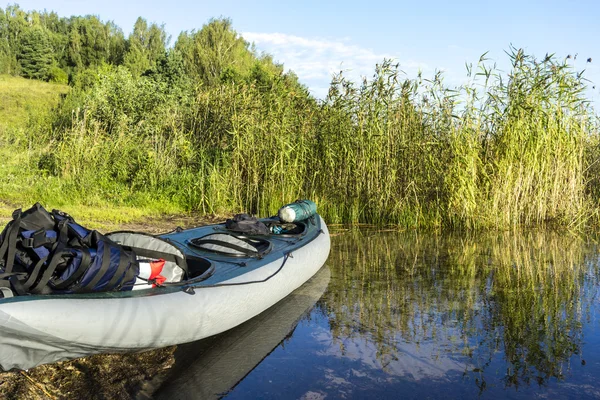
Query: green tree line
<point x="42" y="45"/>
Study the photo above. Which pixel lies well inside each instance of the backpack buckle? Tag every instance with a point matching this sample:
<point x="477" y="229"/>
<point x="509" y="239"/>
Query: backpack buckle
<point x="37" y="239"/>
<point x="62" y="214"/>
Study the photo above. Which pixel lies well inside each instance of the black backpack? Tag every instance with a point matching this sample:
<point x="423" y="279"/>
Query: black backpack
<point x="45" y="253"/>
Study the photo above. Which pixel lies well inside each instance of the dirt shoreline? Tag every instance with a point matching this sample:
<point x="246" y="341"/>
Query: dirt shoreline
<point x="103" y="376"/>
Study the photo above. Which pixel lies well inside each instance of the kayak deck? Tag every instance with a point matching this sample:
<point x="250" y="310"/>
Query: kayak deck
<point x="228" y="267"/>
<point x="37" y="329"/>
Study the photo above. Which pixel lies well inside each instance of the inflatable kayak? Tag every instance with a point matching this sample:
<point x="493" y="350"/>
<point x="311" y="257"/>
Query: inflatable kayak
<point x="209" y="368"/>
<point x="228" y="278"/>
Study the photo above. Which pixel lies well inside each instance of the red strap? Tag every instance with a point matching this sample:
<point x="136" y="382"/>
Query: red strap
<point x="156" y="267"/>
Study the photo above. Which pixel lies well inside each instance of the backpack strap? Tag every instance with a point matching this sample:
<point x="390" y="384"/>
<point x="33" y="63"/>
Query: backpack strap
<point x="36" y="239"/>
<point x="86" y="260"/>
<point x="9" y="242"/>
<point x="37" y="278"/>
<point x="34" y="285"/>
<point x="37" y="288"/>
<point x="42" y="253"/>
<point x="104" y="266"/>
<point x="125" y="259"/>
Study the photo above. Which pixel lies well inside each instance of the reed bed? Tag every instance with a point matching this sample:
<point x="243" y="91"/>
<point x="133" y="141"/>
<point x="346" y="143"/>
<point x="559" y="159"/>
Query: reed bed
<point x="500" y="152"/>
<point x="490" y="154"/>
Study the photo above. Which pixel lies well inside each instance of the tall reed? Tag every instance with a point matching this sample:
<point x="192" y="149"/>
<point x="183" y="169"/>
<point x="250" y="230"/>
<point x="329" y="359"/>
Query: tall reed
<point x="493" y="153"/>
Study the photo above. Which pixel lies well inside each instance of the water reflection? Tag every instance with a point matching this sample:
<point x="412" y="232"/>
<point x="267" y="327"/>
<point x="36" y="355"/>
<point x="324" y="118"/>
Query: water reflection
<point x="502" y="309"/>
<point x="207" y="369"/>
<point x="399" y="316"/>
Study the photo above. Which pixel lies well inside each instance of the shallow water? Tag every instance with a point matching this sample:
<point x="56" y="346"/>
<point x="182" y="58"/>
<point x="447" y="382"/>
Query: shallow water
<point x="397" y="315"/>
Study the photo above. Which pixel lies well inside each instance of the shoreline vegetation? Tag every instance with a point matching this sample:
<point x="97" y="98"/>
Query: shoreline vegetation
<point x="128" y="128"/>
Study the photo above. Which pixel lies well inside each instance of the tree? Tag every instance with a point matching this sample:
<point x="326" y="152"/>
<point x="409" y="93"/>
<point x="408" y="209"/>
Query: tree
<point x="12" y="24"/>
<point x="35" y="56"/>
<point x="169" y="69"/>
<point x="74" y="50"/>
<point x="214" y="50"/>
<point x="146" y="45"/>
<point x="117" y="43"/>
<point x="6" y="55"/>
<point x="7" y="59"/>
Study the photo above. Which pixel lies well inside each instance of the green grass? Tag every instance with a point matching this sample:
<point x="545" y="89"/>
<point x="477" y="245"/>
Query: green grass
<point x="23" y="104"/>
<point x="21" y="98"/>
<point x="22" y="185"/>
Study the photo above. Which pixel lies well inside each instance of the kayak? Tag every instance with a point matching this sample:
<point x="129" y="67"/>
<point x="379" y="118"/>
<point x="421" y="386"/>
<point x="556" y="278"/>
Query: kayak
<point x="231" y="278"/>
<point x="209" y="368"/>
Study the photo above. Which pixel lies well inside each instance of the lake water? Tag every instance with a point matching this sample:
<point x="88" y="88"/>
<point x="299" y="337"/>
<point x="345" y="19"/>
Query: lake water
<point x="401" y="315"/>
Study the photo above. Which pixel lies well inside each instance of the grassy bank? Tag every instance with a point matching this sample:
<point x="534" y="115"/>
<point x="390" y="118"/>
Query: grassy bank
<point x="26" y="115"/>
<point x="493" y="154"/>
<point x="210" y="125"/>
<point x="24" y="99"/>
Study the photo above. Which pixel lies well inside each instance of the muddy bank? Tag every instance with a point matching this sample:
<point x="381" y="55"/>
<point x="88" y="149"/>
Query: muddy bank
<point x="119" y="376"/>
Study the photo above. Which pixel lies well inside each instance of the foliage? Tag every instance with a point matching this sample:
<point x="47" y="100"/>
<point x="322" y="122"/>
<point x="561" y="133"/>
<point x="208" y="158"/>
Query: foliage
<point x="35" y="57"/>
<point x="511" y="154"/>
<point x="211" y="125"/>
<point x="146" y="45"/>
<point x="214" y="51"/>
<point x="57" y="75"/>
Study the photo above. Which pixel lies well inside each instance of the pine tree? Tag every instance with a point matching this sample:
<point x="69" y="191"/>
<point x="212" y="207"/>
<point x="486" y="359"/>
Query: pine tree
<point x="35" y="56"/>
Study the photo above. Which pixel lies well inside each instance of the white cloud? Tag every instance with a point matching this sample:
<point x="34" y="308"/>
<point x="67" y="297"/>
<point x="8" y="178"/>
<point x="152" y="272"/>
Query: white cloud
<point x="315" y="60"/>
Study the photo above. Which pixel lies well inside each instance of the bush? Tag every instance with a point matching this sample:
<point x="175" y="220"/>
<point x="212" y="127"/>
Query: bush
<point x="57" y="75"/>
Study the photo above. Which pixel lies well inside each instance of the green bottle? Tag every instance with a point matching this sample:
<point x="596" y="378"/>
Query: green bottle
<point x="297" y="211"/>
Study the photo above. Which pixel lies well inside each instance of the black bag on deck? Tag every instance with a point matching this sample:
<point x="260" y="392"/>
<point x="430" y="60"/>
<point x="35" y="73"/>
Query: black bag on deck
<point x="244" y="223"/>
<point x="43" y="253"/>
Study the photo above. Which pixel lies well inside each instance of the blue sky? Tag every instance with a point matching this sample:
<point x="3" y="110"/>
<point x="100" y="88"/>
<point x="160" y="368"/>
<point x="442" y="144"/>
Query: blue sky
<point x="317" y="38"/>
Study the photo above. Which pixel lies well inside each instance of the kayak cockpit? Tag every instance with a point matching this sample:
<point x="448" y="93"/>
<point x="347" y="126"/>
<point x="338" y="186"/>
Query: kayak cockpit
<point x="232" y="245"/>
<point x="176" y="267"/>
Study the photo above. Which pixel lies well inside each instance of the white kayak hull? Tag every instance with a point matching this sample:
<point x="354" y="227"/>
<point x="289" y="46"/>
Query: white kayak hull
<point x="48" y="330"/>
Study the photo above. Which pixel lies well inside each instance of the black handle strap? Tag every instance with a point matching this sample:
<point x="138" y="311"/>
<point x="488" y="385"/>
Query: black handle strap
<point x="125" y="260"/>
<point x="58" y="255"/>
<point x="47" y="275"/>
<point x="86" y="260"/>
<point x="243" y="250"/>
<point x="102" y="271"/>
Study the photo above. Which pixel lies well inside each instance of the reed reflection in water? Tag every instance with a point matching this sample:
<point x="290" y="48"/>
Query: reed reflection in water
<point x="484" y="313"/>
